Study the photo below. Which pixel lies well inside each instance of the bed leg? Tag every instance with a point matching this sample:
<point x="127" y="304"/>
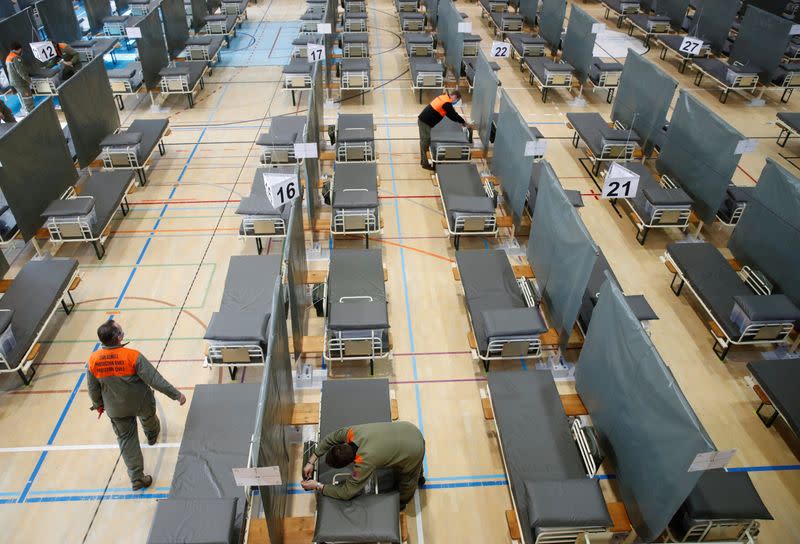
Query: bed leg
<point x="191" y="100"/>
<point x="97" y="249"/>
<point x="372" y="367"/>
<point x="663" y="54"/>
<point x="259" y="245"/>
<point x="456" y="241"/>
<point x="124" y="206"/>
<point x="596" y="168"/>
<point x="366" y="241"/>
<point x="724" y="96"/>
<point x="294" y="102"/>
<point x="768" y="420"/>
<point x="787" y="94"/>
<point x="672" y="285"/>
<point x="610" y="96"/>
<point x="232" y="371"/>
<point x="719" y="351"/>
<point x="68" y="309"/>
<point x="785" y="139"/>
<point x="120" y="103"/>
<point x="26" y="379"/>
<point x="544" y="94"/>
<point x="641" y="236"/>
<point x="698" y="78"/>
<point x="486" y="364"/>
<point x="162" y="148"/>
<point x="575" y="140"/>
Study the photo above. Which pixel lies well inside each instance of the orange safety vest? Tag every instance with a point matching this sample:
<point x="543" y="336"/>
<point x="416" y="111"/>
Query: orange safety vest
<point x="350" y="437"/>
<point x="113" y="362"/>
<point x="439" y="102"/>
<point x="11" y="56"/>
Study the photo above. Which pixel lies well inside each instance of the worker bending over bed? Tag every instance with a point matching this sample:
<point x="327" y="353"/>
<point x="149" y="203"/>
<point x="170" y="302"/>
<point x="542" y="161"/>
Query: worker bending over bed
<point x="439" y="108"/>
<point x="370" y="447"/>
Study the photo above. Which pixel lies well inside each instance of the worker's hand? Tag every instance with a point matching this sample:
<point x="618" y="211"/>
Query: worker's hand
<point x="100" y="411"/>
<point x="309" y="485"/>
<point x="471" y="126"/>
<point x="67" y="63"/>
<point x="182" y="399"/>
<point x="308" y="471"/>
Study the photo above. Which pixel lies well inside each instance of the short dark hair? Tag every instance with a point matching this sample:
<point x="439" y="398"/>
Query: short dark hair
<point x="456" y="94"/>
<point x="340" y="455"/>
<point x="108" y="333"/>
<point x="15" y="46"/>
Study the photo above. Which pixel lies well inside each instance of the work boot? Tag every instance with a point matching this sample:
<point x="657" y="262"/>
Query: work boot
<point x="427" y="166"/>
<point x="151" y="441"/>
<point x="421" y="481"/>
<point x="144" y="483"/>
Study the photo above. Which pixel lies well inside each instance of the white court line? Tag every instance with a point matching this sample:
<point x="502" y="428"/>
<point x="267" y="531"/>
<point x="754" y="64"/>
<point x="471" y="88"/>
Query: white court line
<point x="81" y="447"/>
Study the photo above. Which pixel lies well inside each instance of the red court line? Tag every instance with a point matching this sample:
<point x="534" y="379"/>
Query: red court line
<point x="409" y="196"/>
<point x="186" y="201"/>
<point x="754" y="180"/>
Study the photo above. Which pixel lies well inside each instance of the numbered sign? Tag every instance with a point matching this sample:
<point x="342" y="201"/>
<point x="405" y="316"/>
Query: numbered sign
<point x="620" y="182"/>
<point x="43" y="51"/>
<point x="795" y="30"/>
<point x="746" y="146"/>
<point x="598" y="28"/>
<point x="711" y="460"/>
<point x="133" y="32"/>
<point x="535" y="148"/>
<point x="501" y="50"/>
<point x="257" y="476"/>
<point x="316" y="52"/>
<point x="305" y="151"/>
<point x="281" y="188"/>
<point x="465" y="27"/>
<point x="324" y="28"/>
<point x="3" y="79"/>
<point x="691" y="46"/>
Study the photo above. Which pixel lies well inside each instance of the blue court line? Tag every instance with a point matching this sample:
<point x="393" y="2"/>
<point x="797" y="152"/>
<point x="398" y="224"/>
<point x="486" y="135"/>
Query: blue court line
<point x="83" y="498"/>
<point x="488" y="483"/>
<point x="91" y="491"/>
<point x="765" y="468"/>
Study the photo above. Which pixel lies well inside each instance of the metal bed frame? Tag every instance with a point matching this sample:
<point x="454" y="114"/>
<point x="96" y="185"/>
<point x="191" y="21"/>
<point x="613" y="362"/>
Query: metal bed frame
<point x="788" y="86"/>
<point x="627" y="9"/>
<point x="655" y="29"/>
<point x="258" y="227"/>
<point x="557" y="80"/>
<point x="113" y="160"/>
<point x="122" y="87"/>
<point x="495" y="6"/>
<point x="616" y="152"/>
<point x="663" y="216"/>
<point x="406" y="5"/>
<point x="786" y="133"/>
<point x="356" y="81"/>
<point x="44" y="86"/>
<point x="474" y="225"/>
<point x="359" y="348"/>
<point x="515" y="25"/>
<point x="179" y="84"/>
<point x="232" y="8"/>
<point x="428" y="81"/>
<point x="290" y="83"/>
<point x="684" y="60"/>
<point x="742" y="82"/>
<point x="698" y="533"/>
<point x="412" y="25"/>
<point x="285" y="152"/>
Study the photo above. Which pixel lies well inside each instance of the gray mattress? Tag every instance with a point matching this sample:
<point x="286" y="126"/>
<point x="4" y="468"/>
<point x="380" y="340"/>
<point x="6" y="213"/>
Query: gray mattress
<point x="718" y="69"/>
<point x="462" y="190"/>
<point x="498" y="18"/>
<point x="99" y="46"/>
<point x="615" y="5"/>
<point x="539" y="65"/>
<point x="448" y="132"/>
<point x="230" y="20"/>
<point x="126" y="72"/>
<point x="355" y="37"/>
<point x="595" y="132"/>
<point x="355" y="186"/>
<point x="424" y="65"/>
<point x="34" y="293"/>
<point x="790" y="119"/>
<point x="212" y="43"/>
<point x="652" y="193"/>
<point x="298" y="65"/>
<point x="519" y="40"/>
<point x="108" y="189"/>
<point x="193" y="69"/>
<point x="354" y="65"/>
<point x="356" y="273"/>
<point x="355" y="128"/>
<point x="284" y="131"/>
<point x="366" y="518"/>
<point x="216" y="439"/>
<point x="641" y="19"/>
<point x="538" y="446"/>
<point x="780" y="380"/>
<point x="784" y="71"/>
<point x="152" y="130"/>
<point x="257" y="202"/>
<point x="418" y="38"/>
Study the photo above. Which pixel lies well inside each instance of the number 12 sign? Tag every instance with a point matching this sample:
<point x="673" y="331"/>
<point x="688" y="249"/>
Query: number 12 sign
<point x="500" y="50"/>
<point x="620" y="182"/>
<point x="43" y="51"/>
<point x="281" y="188"/>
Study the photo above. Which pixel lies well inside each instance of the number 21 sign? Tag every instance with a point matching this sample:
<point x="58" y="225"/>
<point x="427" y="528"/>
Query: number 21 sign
<point x="620" y="182"/>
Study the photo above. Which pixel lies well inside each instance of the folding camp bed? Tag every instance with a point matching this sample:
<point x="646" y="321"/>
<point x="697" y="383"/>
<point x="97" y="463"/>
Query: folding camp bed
<point x="505" y="318"/>
<point x="373" y="516"/>
<point x="672" y="44"/>
<point x="237" y="334"/>
<point x="468" y="70"/>
<point x="125" y="81"/>
<point x="133" y="147"/>
<point x="603" y="143"/>
<point x="525" y="45"/>
<point x="728" y="77"/>
<point x="736" y="200"/>
<point x="792" y="50"/>
<point x="449" y="142"/>
<point x="354" y="21"/>
<point x="354" y="5"/>
<point x="472" y="43"/>
<point x="96" y="47"/>
<point x="493" y="6"/>
<point x="605" y="75"/>
<point x="574" y="196"/>
<point x="297" y="76"/>
<point x="26" y="308"/>
<point x="427" y="73"/>
<point x="778" y="380"/>
<point x="552" y="496"/>
<point x="354" y="75"/>
<point x="658" y="204"/>
<point x="205" y="48"/>
<point x="260" y="219"/>
<point x="115" y="25"/>
<point x="235" y="7"/>
<point x="141" y="8"/>
<point x="300" y="44"/>
<point x="412" y="21"/>
<point x="469" y="203"/>
<point x="357" y="318"/>
<point x="649" y="25"/>
<point x="355" y="44"/>
<point x="183" y="78"/>
<point x="548" y="74"/>
<point x="278" y="144"/>
<point x="789" y="123"/>
<point x="354" y="200"/>
<point x="787" y="78"/>
<point x="742" y="309"/>
<point x="221" y="25"/>
<point x="204" y="503"/>
<point x="355" y="137"/>
<point x="504" y="22"/>
<point x="406" y="5"/>
<point x="419" y="44"/>
<point x="86" y="217"/>
<point x="621" y="8"/>
<point x="45" y="80"/>
<point x="312" y="17"/>
<point x="723" y="506"/>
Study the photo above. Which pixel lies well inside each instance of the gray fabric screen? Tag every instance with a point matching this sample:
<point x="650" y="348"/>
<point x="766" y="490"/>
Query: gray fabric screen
<point x="6" y="9"/>
<point x="88" y="105"/>
<point x="767" y="237"/>
<point x="19" y="28"/>
<point x="712" y="22"/>
<point x="176" y="30"/>
<point x="675" y="10"/>
<point x="199" y="11"/>
<point x="561" y="252"/>
<point x="646" y="425"/>
<point x="451" y="38"/>
<point x="315" y="120"/>
<point x="31" y="185"/>
<point x="643" y="97"/>
<point x="698" y="153"/>
<point x="297" y="266"/>
<point x="152" y="50"/>
<point x="484" y="97"/>
<point x="96" y="10"/>
<point x="59" y="20"/>
<point x="275" y="405"/>
<point x="551" y="21"/>
<point x="509" y="163"/>
<point x="528" y="9"/>
<point x="213" y="5"/>
<point x="773" y="6"/>
<point x="762" y="41"/>
<point x="579" y="42"/>
<point x="122" y="6"/>
<point x="649" y="5"/>
<point x="4" y="266"/>
<point x="432" y="7"/>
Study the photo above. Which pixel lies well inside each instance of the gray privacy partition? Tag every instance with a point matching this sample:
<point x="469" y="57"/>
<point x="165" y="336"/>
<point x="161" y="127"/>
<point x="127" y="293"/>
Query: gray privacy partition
<point x="275" y="405"/>
<point x="647" y="427"/>
<point x="712" y="22"/>
<point x="551" y="21"/>
<point x="314" y="126"/>
<point x="294" y="254"/>
<point x="484" y="97"/>
<point x="6" y="9"/>
<point x="152" y="50"/>
<point x="561" y="252"/>
<point x="21" y="28"/>
<point x="199" y="11"/>
<point x="762" y="41"/>
<point x="59" y="20"/>
<point x="432" y="11"/>
<point x="176" y="30"/>
<point x="88" y="104"/>
<point x="213" y="5"/>
<point x="528" y="9"/>
<point x="31" y="185"/>
<point x="509" y="163"/>
<point x="643" y="97"/>
<point x="451" y="38"/>
<point x="767" y="236"/>
<point x="4" y="266"/>
<point x="579" y="42"/>
<point x="698" y="153"/>
<point x="675" y="10"/>
<point x="96" y="10"/>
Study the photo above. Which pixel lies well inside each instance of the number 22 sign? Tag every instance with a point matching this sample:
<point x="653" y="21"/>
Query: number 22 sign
<point x="500" y="50"/>
<point x="620" y="182"/>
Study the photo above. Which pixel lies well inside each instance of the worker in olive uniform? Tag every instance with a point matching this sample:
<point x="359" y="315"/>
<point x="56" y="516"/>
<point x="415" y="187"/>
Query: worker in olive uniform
<point x="120" y="381"/>
<point x="370" y="447"/>
<point x="70" y="60"/>
<point x="439" y="108"/>
<point x="18" y="76"/>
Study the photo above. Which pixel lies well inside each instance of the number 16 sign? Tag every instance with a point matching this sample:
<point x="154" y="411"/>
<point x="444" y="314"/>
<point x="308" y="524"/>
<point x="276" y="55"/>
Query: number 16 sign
<point x="281" y="188"/>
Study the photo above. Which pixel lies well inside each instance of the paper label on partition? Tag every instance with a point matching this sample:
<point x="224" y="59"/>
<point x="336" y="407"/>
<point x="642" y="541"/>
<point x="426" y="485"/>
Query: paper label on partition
<point x="324" y="28"/>
<point x="133" y="32"/>
<point x="305" y="151"/>
<point x="535" y="148"/>
<point x="711" y="460"/>
<point x="281" y="188"/>
<point x="465" y="27"/>
<point x="620" y="182"/>
<point x="691" y="46"/>
<point x="501" y="50"/>
<point x="43" y="51"/>
<point x="746" y="146"/>
<point x="257" y="476"/>
<point x="598" y="28"/>
<point x="4" y="79"/>
<point x="795" y="30"/>
<point x="316" y="52"/>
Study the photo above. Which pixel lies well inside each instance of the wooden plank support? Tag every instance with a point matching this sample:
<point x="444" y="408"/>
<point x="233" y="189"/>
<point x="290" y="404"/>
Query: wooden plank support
<point x="42" y="234"/>
<point x="403" y="527"/>
<point x="327" y="155"/>
<point x="573" y="405"/>
<point x="486" y="404"/>
<point x="477" y="154"/>
<point x="619" y="518"/>
<point x="296" y="530"/>
<point x="762" y="396"/>
<point x="523" y="271"/>
<point x="315" y="276"/>
<point x="736" y="265"/>
<point x="670" y="267"/>
<point x="75" y="283"/>
<point x="513" y="525"/>
<point x="715" y="330"/>
<point x="473" y="344"/>
<point x="4" y="285"/>
<point x="34" y="352"/>
<point x="394" y="409"/>
<point x="312" y="344"/>
<point x="504" y="221"/>
<point x="305" y="413"/>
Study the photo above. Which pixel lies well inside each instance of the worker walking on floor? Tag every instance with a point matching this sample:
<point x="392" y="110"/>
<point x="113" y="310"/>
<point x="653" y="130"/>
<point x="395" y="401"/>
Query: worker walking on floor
<point x="439" y="108"/>
<point x="370" y="447"/>
<point x="120" y="381"/>
<point x="18" y="76"/>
